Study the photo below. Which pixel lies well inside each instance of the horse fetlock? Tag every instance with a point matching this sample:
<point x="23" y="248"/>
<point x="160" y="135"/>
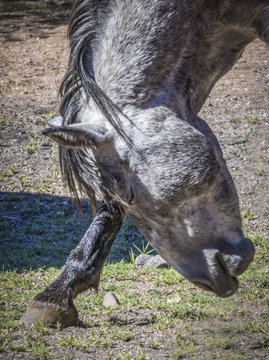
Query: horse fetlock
<point x="88" y="282"/>
<point x="50" y="313"/>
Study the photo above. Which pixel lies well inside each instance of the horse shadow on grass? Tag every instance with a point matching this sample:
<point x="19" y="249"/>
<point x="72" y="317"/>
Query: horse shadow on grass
<point x="40" y="230"/>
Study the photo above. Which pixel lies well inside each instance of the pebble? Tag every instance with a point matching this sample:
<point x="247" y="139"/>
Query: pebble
<point x="110" y="300"/>
<point x="143" y="261"/>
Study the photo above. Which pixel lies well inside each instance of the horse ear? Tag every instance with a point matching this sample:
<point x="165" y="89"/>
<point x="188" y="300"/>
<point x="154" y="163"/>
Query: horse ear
<point x="82" y="135"/>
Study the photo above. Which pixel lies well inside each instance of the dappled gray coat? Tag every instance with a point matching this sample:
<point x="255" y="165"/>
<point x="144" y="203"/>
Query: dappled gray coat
<point x="129" y="136"/>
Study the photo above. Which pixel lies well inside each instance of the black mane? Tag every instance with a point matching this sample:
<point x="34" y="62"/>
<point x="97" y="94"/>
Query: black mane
<point x="78" y="83"/>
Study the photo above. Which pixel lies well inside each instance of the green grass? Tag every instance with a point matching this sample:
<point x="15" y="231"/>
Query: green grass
<point x="158" y="307"/>
<point x="32" y="147"/>
<point x="9" y="173"/>
<point x="260" y="171"/>
<point x="48" y="116"/>
<point x="236" y="120"/>
<point x="39" y="230"/>
<point x="235" y="174"/>
<point x="266" y="157"/>
<point x="247" y="215"/>
<point x="168" y="300"/>
<point x="254" y="119"/>
<point x="241" y="152"/>
<point x="241" y="140"/>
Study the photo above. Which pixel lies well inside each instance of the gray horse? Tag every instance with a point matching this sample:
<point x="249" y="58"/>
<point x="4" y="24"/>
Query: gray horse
<point x="130" y="138"/>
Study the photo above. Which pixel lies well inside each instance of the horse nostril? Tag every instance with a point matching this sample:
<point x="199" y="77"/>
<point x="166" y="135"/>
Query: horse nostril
<point x="222" y="262"/>
<point x="236" y="259"/>
<point x="230" y="263"/>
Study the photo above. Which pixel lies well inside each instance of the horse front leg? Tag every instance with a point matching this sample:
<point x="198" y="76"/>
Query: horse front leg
<point x="81" y="271"/>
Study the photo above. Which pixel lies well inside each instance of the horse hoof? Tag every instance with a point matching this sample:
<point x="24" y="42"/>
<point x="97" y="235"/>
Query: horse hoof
<point x="49" y="313"/>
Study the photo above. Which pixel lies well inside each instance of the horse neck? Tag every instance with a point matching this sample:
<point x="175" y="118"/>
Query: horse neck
<point x="150" y="54"/>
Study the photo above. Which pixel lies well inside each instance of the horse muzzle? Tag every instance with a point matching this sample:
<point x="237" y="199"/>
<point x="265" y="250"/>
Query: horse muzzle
<point x="223" y="267"/>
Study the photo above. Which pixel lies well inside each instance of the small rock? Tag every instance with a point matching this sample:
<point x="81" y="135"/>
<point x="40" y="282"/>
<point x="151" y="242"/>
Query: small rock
<point x="157" y="261"/>
<point x="110" y="300"/>
<point x="143" y="261"/>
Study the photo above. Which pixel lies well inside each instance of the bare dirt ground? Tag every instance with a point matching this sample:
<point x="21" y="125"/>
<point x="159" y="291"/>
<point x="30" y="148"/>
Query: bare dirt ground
<point x="33" y="59"/>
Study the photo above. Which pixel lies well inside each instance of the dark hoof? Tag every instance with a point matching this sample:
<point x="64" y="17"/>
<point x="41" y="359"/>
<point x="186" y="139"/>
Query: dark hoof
<point x="49" y="313"/>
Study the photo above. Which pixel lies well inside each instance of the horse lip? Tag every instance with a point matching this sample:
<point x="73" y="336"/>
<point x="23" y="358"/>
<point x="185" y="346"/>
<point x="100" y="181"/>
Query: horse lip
<point x="213" y="275"/>
<point x="230" y="289"/>
<point x="223" y="289"/>
<point x="218" y="278"/>
<point x="202" y="285"/>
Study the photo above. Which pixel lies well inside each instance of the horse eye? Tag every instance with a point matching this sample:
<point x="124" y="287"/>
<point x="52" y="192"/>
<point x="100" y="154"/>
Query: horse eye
<point x="131" y="198"/>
